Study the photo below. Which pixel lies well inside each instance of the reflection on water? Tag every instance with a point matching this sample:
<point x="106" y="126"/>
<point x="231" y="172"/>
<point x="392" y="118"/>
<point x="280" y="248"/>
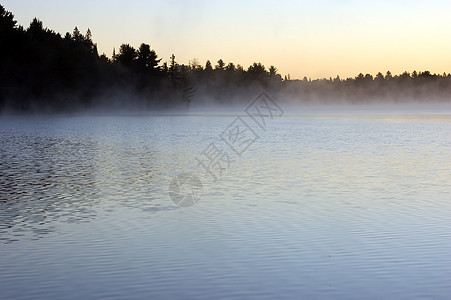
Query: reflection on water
<point x="56" y="174"/>
<point x="337" y="206"/>
<point x="45" y="179"/>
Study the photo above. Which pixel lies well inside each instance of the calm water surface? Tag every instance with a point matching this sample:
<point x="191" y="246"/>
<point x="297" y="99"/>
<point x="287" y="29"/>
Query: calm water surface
<point x="346" y="206"/>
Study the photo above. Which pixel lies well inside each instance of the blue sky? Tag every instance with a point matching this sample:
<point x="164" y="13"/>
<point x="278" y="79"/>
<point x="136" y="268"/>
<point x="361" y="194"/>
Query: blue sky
<point x="301" y="38"/>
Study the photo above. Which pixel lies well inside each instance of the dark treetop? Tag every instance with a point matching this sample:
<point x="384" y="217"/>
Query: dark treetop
<point x="41" y="70"/>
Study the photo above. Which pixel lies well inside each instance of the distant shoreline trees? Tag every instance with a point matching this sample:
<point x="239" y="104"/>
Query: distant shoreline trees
<point x="42" y="71"/>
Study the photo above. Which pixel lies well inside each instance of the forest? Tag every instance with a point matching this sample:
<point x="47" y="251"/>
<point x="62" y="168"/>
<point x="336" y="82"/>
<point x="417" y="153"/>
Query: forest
<point x="43" y="71"/>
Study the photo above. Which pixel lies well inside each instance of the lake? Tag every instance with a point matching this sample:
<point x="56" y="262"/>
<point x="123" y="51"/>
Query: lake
<point x="349" y="205"/>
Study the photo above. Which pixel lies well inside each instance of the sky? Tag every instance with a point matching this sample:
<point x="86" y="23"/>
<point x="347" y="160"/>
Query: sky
<point x="316" y="39"/>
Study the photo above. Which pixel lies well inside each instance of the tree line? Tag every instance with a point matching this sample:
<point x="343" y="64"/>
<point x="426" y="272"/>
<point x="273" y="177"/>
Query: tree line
<point x="42" y="70"/>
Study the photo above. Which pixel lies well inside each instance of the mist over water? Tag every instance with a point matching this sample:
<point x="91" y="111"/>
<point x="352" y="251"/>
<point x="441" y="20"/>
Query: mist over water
<point x="137" y="176"/>
<point x="327" y="202"/>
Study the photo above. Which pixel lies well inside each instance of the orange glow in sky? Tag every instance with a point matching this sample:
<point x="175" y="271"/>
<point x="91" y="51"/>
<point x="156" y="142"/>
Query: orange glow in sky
<point x="315" y="39"/>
